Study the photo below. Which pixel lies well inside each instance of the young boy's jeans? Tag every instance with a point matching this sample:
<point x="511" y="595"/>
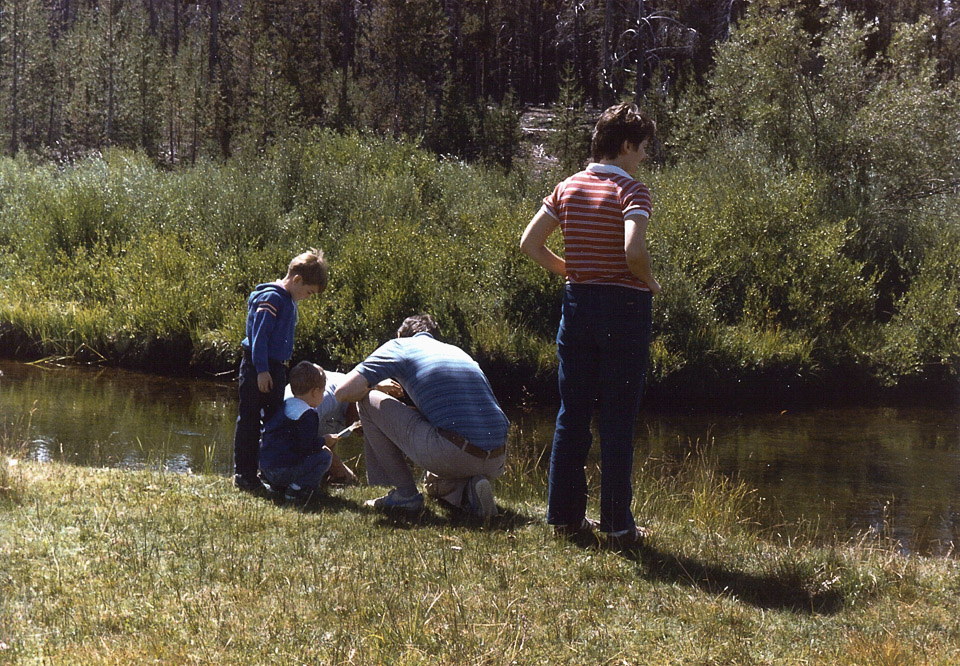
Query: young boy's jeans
<point x="602" y="345"/>
<point x="255" y="409"/>
<point x="307" y="474"/>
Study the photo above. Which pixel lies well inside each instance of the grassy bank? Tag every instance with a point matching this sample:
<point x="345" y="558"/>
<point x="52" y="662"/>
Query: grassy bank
<point x="768" y="295"/>
<point x="104" y="566"/>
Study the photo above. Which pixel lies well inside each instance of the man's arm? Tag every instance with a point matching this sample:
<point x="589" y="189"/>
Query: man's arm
<point x="533" y="242"/>
<point x="353" y="388"/>
<point x="635" y="247"/>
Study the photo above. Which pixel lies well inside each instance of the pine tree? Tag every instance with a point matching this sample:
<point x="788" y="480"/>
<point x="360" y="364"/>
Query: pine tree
<point x="570" y="141"/>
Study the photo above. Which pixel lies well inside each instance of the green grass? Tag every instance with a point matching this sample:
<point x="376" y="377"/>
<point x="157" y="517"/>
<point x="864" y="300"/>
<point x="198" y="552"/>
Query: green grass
<point x="104" y="566"/>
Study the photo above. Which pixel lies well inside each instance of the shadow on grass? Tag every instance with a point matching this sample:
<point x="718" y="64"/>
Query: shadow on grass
<point x="327" y="503"/>
<point x="438" y="514"/>
<point x="767" y="592"/>
<point x="434" y="514"/>
<point x="320" y="501"/>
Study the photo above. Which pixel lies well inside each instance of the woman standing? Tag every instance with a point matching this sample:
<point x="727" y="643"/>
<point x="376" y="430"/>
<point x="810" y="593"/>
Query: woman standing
<point x="604" y="333"/>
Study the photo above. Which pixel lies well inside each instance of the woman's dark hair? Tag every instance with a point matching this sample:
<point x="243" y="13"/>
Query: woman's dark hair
<point x="623" y="122"/>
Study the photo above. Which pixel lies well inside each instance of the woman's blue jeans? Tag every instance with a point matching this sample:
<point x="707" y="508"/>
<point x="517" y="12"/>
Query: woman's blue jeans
<point x="602" y="345"/>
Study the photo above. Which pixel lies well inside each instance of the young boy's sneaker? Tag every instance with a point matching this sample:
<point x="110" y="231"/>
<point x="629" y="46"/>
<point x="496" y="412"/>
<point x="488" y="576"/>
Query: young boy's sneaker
<point x="479" y="498"/>
<point x="274" y="491"/>
<point x="393" y="501"/>
<point x="250" y="484"/>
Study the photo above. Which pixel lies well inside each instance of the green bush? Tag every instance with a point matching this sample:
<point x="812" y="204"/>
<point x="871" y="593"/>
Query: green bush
<point x="742" y="242"/>
<point x="112" y="260"/>
<point x="923" y="340"/>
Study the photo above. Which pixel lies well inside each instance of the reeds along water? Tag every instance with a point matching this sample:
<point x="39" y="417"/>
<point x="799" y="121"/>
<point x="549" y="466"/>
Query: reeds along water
<point x="14" y="446"/>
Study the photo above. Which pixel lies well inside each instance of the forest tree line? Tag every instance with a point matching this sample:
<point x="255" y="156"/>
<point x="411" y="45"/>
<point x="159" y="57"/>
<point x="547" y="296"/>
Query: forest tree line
<point x="182" y="80"/>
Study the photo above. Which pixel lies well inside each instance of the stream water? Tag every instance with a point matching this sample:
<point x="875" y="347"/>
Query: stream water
<point x="886" y="469"/>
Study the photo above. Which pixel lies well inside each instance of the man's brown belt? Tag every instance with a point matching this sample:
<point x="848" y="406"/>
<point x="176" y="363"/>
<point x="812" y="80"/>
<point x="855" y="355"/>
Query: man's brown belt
<point x="467" y="447"/>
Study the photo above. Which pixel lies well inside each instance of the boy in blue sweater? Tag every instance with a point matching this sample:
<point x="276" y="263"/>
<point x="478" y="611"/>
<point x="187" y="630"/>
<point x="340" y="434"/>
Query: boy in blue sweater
<point x="267" y="347"/>
<point x="293" y="456"/>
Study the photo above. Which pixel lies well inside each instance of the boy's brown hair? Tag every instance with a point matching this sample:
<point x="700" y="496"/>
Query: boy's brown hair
<point x="619" y="123"/>
<point x="305" y="376"/>
<point x="311" y="266"/>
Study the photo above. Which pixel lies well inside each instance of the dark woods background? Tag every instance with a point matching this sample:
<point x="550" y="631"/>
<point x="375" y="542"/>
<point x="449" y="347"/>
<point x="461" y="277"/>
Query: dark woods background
<point x="183" y="80"/>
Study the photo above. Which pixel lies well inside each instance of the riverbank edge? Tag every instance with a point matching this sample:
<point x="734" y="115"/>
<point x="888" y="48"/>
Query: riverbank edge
<point x="233" y="578"/>
<point x="520" y="384"/>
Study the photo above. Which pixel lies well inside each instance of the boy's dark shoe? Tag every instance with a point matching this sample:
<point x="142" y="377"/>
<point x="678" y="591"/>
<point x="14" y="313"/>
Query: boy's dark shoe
<point x="295" y="493"/>
<point x="273" y="490"/>
<point x="584" y="534"/>
<point x="629" y="542"/>
<point x="250" y="484"/>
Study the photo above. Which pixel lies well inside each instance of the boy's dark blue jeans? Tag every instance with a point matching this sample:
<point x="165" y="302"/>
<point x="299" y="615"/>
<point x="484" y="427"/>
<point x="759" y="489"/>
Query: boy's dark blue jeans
<point x="255" y="409"/>
<point x="308" y="473"/>
<point x="602" y="345"/>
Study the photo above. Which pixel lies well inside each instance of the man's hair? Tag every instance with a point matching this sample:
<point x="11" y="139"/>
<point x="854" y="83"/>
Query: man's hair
<point x="421" y="323"/>
<point x="619" y="123"/>
<point x="311" y="266"/>
<point x="305" y="376"/>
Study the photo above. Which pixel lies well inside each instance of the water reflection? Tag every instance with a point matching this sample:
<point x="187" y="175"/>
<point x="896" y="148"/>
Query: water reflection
<point x="894" y="471"/>
<point x="111" y="418"/>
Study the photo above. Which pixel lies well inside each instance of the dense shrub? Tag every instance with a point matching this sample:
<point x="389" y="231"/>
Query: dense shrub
<point x="923" y="340"/>
<point x="750" y="247"/>
<point x="759" y="281"/>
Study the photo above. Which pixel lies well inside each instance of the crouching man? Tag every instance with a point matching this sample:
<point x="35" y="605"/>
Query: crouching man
<point x="456" y="433"/>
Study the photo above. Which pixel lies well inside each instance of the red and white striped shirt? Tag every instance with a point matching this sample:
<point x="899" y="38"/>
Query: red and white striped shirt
<point x="591" y="207"/>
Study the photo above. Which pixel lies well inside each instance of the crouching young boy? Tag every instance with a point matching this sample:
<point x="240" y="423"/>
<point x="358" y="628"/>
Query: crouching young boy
<point x="293" y="455"/>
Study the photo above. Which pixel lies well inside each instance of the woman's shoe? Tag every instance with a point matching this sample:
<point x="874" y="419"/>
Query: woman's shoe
<point x="630" y="541"/>
<point x="584" y="534"/>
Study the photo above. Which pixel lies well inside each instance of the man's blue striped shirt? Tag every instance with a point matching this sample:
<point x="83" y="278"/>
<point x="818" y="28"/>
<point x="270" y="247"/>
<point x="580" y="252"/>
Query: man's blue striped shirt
<point x="446" y="385"/>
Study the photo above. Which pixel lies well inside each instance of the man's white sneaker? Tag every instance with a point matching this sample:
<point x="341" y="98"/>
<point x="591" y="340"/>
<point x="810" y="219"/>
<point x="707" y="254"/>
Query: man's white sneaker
<point x="480" y="501"/>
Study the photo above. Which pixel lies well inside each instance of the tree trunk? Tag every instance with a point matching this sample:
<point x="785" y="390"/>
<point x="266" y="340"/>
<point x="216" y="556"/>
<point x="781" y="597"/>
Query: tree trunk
<point x="577" y="58"/>
<point x="641" y="51"/>
<point x="396" y="98"/>
<point x="15" y="83"/>
<point x="214" y="54"/>
<point x="110" y="85"/>
<point x="152" y="13"/>
<point x="3" y="13"/>
<point x="319" y="53"/>
<point x="484" y="55"/>
<point x="606" y="90"/>
<point x="176" y="28"/>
